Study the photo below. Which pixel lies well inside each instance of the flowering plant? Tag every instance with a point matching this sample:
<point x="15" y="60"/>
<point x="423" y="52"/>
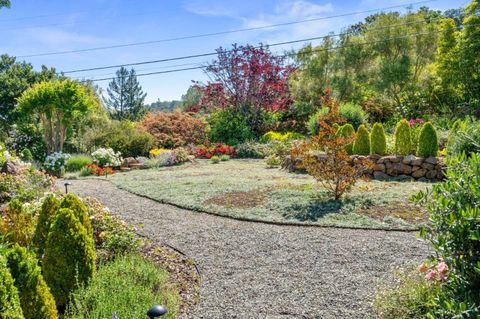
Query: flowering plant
<point x="106" y="157"/>
<point x="437" y="273"/>
<point x="207" y="151"/>
<point x="416" y="126"/>
<point x="55" y="163"/>
<point x="99" y="171"/>
<point x="159" y="151"/>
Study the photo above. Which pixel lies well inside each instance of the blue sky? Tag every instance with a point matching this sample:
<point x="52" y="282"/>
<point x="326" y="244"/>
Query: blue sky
<point x="33" y="26"/>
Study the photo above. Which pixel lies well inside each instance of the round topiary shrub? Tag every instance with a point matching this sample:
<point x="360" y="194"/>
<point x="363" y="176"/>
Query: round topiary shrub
<point x="346" y="131"/>
<point x="361" y="145"/>
<point x="69" y="256"/>
<point x="35" y="298"/>
<point x="9" y="300"/>
<point x="73" y="202"/>
<point x="403" y="138"/>
<point x="48" y="210"/>
<point x="378" y="141"/>
<point x="354" y="114"/>
<point x="427" y="141"/>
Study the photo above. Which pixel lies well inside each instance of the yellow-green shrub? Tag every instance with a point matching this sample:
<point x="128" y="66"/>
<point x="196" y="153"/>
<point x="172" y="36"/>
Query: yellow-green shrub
<point x="403" y="138"/>
<point x="9" y="300"/>
<point x="347" y="131"/>
<point x="378" y="141"/>
<point x="427" y="141"/>
<point x="48" y="210"/>
<point x="17" y="225"/>
<point x="35" y="298"/>
<point x="361" y="145"/>
<point x="73" y="202"/>
<point x="69" y="256"/>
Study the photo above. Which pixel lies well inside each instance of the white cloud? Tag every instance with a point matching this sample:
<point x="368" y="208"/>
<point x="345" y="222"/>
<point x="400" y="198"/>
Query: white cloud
<point x="208" y="8"/>
<point x="59" y="37"/>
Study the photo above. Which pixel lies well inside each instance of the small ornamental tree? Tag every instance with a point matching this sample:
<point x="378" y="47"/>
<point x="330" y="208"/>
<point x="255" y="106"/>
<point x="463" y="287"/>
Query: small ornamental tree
<point x="347" y="131"/>
<point x="427" y="141"/>
<point x="48" y="210"/>
<point x="325" y="158"/>
<point x="69" y="256"/>
<point x="378" y="141"/>
<point x="361" y="145"/>
<point x="9" y="300"/>
<point x="403" y="138"/>
<point x="35" y="298"/>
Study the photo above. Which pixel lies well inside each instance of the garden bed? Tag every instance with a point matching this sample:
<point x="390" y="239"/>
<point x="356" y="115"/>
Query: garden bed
<point x="246" y="189"/>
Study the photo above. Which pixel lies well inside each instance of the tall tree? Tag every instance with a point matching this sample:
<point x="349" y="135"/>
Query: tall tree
<point x="125" y="96"/>
<point x="5" y="3"/>
<point x="191" y="98"/>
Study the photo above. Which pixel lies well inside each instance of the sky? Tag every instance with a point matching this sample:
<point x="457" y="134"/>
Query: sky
<point x="32" y="27"/>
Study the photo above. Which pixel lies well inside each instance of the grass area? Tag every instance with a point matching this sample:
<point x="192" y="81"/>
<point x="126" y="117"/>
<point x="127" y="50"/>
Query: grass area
<point x="128" y="286"/>
<point x="247" y="189"/>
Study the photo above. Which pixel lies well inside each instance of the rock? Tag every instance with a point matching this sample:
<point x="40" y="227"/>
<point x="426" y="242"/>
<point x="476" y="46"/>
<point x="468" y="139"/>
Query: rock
<point x="388" y="165"/>
<point x="402" y="169"/>
<point x="408" y="159"/>
<point x="403" y="178"/>
<point x="428" y="166"/>
<point x="431" y="174"/>
<point x="380" y="176"/>
<point x="393" y="158"/>
<point x="419" y="173"/>
<point x="417" y="161"/>
<point x="374" y="157"/>
<point x="378" y="167"/>
<point x="142" y="159"/>
<point x="415" y="168"/>
<point x="431" y="160"/>
<point x="137" y="166"/>
<point x="440" y="174"/>
<point x="129" y="161"/>
<point x="422" y="179"/>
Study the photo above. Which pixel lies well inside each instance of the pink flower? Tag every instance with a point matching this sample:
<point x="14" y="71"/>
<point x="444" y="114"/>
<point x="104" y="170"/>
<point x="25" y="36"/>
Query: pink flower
<point x="442" y="267"/>
<point x="411" y="122"/>
<point x="431" y="275"/>
<point x="422" y="268"/>
<point x="442" y="276"/>
<point x="419" y="120"/>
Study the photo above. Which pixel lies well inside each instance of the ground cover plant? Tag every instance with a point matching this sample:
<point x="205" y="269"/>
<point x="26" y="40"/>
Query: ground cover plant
<point x="247" y="189"/>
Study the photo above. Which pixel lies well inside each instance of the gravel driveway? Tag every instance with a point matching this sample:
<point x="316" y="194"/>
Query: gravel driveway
<point x="255" y="270"/>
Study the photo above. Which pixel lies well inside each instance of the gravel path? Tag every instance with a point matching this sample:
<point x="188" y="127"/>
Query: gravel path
<point x="255" y="270"/>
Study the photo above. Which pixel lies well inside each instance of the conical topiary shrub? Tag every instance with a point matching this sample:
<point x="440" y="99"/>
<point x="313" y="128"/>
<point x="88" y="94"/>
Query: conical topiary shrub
<point x="35" y="298"/>
<point x="69" y="256"/>
<point x="361" y="146"/>
<point x="403" y="138"/>
<point x="378" y="141"/>
<point x="347" y="130"/>
<point x="9" y="300"/>
<point x="427" y="141"/>
<point x="48" y="210"/>
<point x="73" y="202"/>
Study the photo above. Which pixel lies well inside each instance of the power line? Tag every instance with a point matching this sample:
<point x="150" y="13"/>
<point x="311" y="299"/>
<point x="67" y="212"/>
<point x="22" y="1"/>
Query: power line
<point x="297" y="53"/>
<point x="215" y="53"/>
<point x="220" y="32"/>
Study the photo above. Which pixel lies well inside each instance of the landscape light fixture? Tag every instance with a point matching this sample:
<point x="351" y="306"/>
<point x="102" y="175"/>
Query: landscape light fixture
<point x="156" y="312"/>
<point x="66" y="186"/>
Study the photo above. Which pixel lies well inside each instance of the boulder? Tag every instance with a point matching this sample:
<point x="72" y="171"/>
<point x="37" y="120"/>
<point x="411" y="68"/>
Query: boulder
<point x="428" y="166"/>
<point x="403" y="178"/>
<point x="393" y="158"/>
<point x="142" y="159"/>
<point x="374" y="157"/>
<point x="380" y="176"/>
<point x="417" y="161"/>
<point x="408" y="159"/>
<point x="129" y="161"/>
<point x="415" y="168"/>
<point x="431" y="174"/>
<point x="378" y="167"/>
<point x="402" y="169"/>
<point x="419" y="173"/>
<point x="431" y="160"/>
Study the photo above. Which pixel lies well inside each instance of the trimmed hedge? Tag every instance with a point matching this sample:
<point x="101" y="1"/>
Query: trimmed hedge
<point x="361" y="145"/>
<point x="403" y="138"/>
<point x="427" y="141"/>
<point x="378" y="140"/>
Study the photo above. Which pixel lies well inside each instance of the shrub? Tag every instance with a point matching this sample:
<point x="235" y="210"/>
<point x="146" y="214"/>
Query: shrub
<point x="464" y="137"/>
<point x="48" y="210"/>
<point x="26" y="155"/>
<point x="69" y="256"/>
<point x="273" y="161"/>
<point x="181" y="155"/>
<point x="427" y="141"/>
<point x="94" y="169"/>
<point x="174" y="129"/>
<point x="35" y="298"/>
<point x="378" y="140"/>
<point x="224" y="158"/>
<point x="207" y="151"/>
<point x="415" y="128"/>
<point x="252" y="149"/>
<point x="77" y="162"/>
<point x="354" y="114"/>
<point x="55" y="163"/>
<point x="229" y="127"/>
<point x="313" y="123"/>
<point x="79" y="209"/>
<point x="86" y="171"/>
<point x="107" y="157"/>
<point x="10" y="307"/>
<point x="403" y="139"/>
<point x="160" y="158"/>
<point x="136" y="285"/>
<point x="276" y="136"/>
<point x="361" y="145"/>
<point x="17" y="224"/>
<point x="215" y="159"/>
<point x="347" y="131"/>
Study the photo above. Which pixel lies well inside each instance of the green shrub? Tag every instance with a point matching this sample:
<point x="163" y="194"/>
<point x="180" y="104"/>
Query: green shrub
<point x="26" y="155"/>
<point x="35" y="298"/>
<point x="378" y="140"/>
<point x="17" y="224"/>
<point x="273" y="161"/>
<point x="464" y="137"/>
<point x="74" y="203"/>
<point x="48" y="210"/>
<point x="403" y="138"/>
<point x="127" y="286"/>
<point x="347" y="131"/>
<point x="276" y="136"/>
<point x="86" y="171"/>
<point x="229" y="127"/>
<point x="313" y="124"/>
<point x="427" y="141"/>
<point x="361" y="145"/>
<point x="252" y="149"/>
<point x="10" y="307"/>
<point x="69" y="260"/>
<point x="354" y="114"/>
<point x="77" y="162"/>
<point x="224" y="158"/>
<point x="215" y="159"/>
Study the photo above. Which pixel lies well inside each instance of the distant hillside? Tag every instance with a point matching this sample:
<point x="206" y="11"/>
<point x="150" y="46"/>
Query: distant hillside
<point x="164" y="106"/>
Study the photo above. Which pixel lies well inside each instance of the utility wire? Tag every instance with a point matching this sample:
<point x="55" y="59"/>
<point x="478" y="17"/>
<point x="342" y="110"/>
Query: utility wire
<point x="215" y="53"/>
<point x="220" y="32"/>
<point x="299" y="53"/>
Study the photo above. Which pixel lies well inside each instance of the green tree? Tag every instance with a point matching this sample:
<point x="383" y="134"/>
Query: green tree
<point x="191" y="98"/>
<point x="125" y="96"/>
<point x="5" y="3"/>
<point x="57" y="105"/>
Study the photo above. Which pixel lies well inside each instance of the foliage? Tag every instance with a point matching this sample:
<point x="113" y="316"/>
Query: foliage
<point x="174" y="129"/>
<point x="136" y="284"/>
<point x="48" y="209"/>
<point x="403" y="139"/>
<point x="273" y="161"/>
<point x="55" y="163"/>
<point x="378" y="140"/>
<point x="35" y="298"/>
<point x="427" y="141"/>
<point x="77" y="162"/>
<point x="207" y="151"/>
<point x="79" y="209"/>
<point x="161" y="158"/>
<point x="347" y="131"/>
<point x="464" y="137"/>
<point x="277" y="136"/>
<point x="94" y="169"/>
<point x="252" y="149"/>
<point x="125" y="96"/>
<point x="10" y="307"/>
<point x="353" y="114"/>
<point x="17" y="224"/>
<point x="26" y="155"/>
<point x="164" y="106"/>
<point x="313" y="124"/>
<point x="453" y="231"/>
<point x="229" y="126"/>
<point x="324" y="156"/>
<point x="224" y="158"/>
<point x="57" y="106"/>
<point x="107" y="157"/>
<point x="191" y="98"/>
<point x="215" y="159"/>
<point x="69" y="260"/>
<point x="361" y="145"/>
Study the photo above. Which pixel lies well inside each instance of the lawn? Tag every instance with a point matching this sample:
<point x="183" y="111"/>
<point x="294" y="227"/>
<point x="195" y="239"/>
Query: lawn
<point x="246" y="189"/>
